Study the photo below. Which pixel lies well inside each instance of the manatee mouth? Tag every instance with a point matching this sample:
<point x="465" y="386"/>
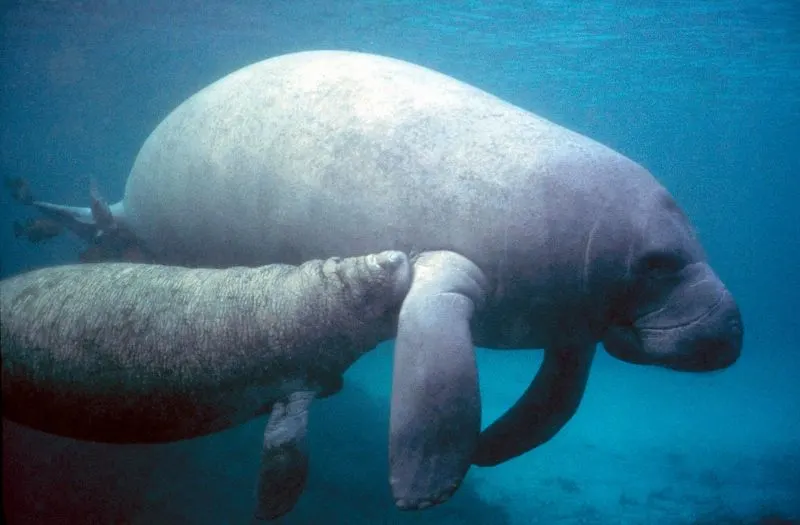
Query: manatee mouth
<point x="708" y="342"/>
<point x="706" y="356"/>
<point x="641" y="324"/>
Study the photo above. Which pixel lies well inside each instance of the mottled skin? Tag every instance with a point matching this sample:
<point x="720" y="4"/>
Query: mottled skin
<point x="130" y="353"/>
<point x="527" y="235"/>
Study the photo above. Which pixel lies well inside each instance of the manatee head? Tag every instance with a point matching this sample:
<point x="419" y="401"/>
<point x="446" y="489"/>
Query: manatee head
<point x="673" y="310"/>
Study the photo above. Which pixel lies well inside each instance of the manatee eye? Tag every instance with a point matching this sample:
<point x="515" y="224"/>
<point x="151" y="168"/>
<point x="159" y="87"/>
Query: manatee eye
<point x="659" y="265"/>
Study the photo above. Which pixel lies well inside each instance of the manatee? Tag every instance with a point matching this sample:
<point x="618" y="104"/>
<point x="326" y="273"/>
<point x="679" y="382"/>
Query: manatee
<point x="139" y="353"/>
<point x="523" y="235"/>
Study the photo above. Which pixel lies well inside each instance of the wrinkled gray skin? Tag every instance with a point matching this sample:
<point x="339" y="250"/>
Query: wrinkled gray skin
<point x="526" y="235"/>
<point x="131" y="353"/>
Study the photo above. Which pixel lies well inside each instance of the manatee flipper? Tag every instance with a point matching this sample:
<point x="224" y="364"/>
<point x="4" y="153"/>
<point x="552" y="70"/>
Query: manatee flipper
<point x="548" y="403"/>
<point x="284" y="456"/>
<point x="435" y="408"/>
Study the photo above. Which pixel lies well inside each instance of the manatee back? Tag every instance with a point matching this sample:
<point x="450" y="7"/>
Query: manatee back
<point x="327" y="152"/>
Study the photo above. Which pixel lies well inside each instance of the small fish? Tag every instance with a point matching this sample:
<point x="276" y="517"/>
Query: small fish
<point x="101" y="212"/>
<point x="37" y="230"/>
<point x="20" y="189"/>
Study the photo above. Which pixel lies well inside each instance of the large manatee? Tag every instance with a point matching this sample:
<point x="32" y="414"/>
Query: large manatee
<point x="133" y="353"/>
<point x="524" y="235"/>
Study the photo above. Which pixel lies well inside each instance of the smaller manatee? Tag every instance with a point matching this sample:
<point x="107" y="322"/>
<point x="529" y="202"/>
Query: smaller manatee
<point x="138" y="353"/>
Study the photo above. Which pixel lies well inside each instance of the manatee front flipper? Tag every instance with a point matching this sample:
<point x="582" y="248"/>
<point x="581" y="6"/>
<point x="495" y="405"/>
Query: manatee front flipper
<point x="284" y="457"/>
<point x="435" y="409"/>
<point x="549" y="402"/>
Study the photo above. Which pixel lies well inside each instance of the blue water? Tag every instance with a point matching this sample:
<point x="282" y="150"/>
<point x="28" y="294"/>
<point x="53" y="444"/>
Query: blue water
<point x="704" y="94"/>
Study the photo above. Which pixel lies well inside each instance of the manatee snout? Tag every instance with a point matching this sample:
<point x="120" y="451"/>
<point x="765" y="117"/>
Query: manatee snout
<point x="713" y="342"/>
<point x="697" y="328"/>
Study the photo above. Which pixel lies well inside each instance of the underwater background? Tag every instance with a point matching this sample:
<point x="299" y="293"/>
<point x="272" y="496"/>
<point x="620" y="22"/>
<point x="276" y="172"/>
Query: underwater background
<point x="706" y="95"/>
